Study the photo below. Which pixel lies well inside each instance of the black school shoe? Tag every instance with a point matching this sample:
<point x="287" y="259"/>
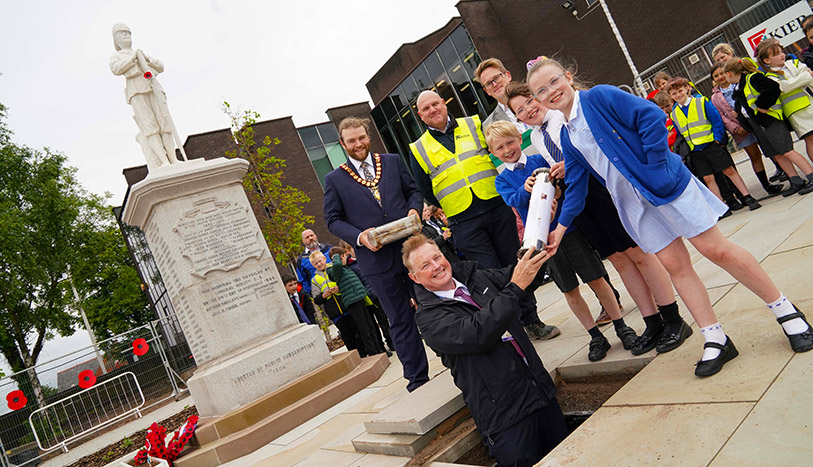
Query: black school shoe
<point x="793" y="189"/>
<point x="645" y="343"/>
<point x="713" y="366"/>
<point x="778" y="176"/>
<point x="798" y="342"/>
<point x="627" y="336"/>
<point x="598" y="348"/>
<point x="752" y="204"/>
<point x="734" y="205"/>
<point x="672" y="340"/>
<point x="726" y="214"/>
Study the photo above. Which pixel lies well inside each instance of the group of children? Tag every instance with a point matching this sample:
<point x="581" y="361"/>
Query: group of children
<point x="339" y="288"/>
<point x="626" y="196"/>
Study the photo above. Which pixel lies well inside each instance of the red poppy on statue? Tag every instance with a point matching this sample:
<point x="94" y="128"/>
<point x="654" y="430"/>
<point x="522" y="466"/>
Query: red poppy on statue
<point x="140" y="346"/>
<point x="87" y="379"/>
<point x="147" y="75"/>
<point x="16" y="400"/>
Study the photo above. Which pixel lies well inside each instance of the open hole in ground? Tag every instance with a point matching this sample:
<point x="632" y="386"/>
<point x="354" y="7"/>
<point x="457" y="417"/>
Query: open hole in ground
<point x="578" y="397"/>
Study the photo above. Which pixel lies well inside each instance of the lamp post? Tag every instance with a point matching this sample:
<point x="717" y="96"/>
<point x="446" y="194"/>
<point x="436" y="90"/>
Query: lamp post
<point x="571" y="7"/>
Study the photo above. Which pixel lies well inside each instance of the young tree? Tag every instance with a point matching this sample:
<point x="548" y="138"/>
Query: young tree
<point x="278" y="206"/>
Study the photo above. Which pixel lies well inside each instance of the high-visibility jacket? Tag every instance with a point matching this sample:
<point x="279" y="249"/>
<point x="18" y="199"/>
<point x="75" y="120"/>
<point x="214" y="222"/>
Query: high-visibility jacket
<point x="695" y="127"/>
<point x="321" y="282"/>
<point x="455" y="176"/>
<point x="791" y="101"/>
<point x="751" y="97"/>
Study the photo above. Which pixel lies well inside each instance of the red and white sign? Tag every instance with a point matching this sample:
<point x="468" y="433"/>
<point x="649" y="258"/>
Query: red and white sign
<point x="785" y="26"/>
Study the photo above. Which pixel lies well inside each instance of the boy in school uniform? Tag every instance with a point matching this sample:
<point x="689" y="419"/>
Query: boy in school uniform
<point x="514" y="184"/>
<point x="302" y="304"/>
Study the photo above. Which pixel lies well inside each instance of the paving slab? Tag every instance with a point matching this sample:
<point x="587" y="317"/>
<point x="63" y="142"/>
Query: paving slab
<point x="802" y="237"/>
<point x="392" y="444"/>
<point x="779" y="431"/>
<point x="340" y="427"/>
<point x="658" y="435"/>
<point x="669" y="379"/>
<point x="421" y="410"/>
<point x="338" y="459"/>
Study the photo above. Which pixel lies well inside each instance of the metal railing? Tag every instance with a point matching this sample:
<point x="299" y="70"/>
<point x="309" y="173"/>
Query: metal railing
<point x="73" y="417"/>
<point x="694" y="60"/>
<point x="160" y="374"/>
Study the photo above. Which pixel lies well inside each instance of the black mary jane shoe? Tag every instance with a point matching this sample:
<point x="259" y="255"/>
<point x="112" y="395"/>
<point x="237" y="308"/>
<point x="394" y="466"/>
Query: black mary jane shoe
<point x="645" y="343"/>
<point x="713" y="366"/>
<point x="672" y="340"/>
<point x="798" y="342"/>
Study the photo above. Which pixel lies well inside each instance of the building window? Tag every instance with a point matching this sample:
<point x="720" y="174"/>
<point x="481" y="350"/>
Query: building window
<point x="449" y="71"/>
<point x="322" y="144"/>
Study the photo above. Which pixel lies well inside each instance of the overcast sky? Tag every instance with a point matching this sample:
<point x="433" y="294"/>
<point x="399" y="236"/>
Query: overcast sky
<point x="282" y="58"/>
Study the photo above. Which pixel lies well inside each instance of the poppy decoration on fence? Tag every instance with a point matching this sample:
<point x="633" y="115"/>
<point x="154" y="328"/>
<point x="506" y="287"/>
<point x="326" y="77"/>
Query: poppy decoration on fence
<point x="140" y="346"/>
<point x="87" y="379"/>
<point x="16" y="400"/>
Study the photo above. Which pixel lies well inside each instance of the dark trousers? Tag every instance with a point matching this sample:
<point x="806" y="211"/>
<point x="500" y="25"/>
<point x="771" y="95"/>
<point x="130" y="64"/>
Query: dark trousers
<point x="393" y="289"/>
<point x="365" y="326"/>
<point x="528" y="441"/>
<point x="492" y="240"/>
<point x="349" y="333"/>
<point x="379" y="317"/>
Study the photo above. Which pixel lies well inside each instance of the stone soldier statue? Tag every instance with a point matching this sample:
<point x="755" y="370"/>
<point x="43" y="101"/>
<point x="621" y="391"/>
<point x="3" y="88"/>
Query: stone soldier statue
<point x="157" y="135"/>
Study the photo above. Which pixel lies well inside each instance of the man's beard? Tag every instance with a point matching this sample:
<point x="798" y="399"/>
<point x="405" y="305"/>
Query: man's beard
<point x="364" y="154"/>
<point x="312" y="246"/>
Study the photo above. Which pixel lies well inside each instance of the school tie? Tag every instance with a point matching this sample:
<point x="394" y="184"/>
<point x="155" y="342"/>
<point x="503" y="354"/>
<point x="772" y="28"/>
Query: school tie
<point x="552" y="148"/>
<point x="460" y="293"/>
<point x="368" y="175"/>
<point x="299" y="310"/>
<point x="519" y="166"/>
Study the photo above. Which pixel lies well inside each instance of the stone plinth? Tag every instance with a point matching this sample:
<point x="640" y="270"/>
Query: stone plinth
<point x="223" y="283"/>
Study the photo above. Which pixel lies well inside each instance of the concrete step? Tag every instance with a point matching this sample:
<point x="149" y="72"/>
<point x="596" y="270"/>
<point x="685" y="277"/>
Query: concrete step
<point x="420" y="411"/>
<point x="392" y="444"/>
<point x="242" y="432"/>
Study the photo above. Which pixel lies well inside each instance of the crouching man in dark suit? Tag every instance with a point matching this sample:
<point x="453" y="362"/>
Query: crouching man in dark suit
<point x="470" y="317"/>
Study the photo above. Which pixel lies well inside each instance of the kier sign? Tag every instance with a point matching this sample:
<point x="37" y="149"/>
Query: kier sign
<point x="785" y="26"/>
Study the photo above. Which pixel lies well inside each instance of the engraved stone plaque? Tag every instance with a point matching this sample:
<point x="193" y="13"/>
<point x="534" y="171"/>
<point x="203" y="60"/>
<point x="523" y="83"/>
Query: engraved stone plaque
<point x="218" y="236"/>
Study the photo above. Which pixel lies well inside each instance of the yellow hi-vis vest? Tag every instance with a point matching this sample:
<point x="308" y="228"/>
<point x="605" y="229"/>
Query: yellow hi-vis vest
<point x="455" y="176"/>
<point x="324" y="283"/>
<point x="695" y="127"/>
<point x="791" y="101"/>
<point x="751" y="95"/>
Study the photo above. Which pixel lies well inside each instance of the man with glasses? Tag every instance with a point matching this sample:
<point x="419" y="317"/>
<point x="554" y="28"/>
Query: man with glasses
<point x="452" y="169"/>
<point x="493" y="76"/>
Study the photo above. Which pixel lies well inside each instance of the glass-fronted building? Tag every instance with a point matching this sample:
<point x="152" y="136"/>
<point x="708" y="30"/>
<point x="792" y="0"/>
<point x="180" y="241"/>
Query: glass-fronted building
<point x="321" y="141"/>
<point x="449" y="71"/>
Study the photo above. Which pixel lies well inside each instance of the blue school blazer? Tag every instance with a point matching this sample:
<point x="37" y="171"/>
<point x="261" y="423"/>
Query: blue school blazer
<point x="631" y="131"/>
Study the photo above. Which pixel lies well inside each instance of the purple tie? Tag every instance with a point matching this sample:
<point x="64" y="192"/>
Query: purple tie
<point x="460" y="293"/>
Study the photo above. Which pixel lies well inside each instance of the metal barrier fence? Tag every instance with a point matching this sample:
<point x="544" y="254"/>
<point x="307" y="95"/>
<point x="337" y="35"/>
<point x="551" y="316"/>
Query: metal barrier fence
<point x="73" y="417"/>
<point x="694" y="61"/>
<point x="160" y="374"/>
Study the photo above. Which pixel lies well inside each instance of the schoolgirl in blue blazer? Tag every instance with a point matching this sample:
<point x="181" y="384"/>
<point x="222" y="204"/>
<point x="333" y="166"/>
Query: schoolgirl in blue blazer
<point x="621" y="139"/>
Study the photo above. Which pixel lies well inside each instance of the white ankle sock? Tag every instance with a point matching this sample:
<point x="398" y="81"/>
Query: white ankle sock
<point x="783" y="307"/>
<point x="713" y="333"/>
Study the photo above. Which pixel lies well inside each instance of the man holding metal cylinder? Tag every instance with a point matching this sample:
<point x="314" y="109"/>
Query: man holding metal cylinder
<point x="369" y="191"/>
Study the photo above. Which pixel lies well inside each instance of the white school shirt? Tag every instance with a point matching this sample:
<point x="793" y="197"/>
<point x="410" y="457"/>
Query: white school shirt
<point x="556" y="120"/>
<point x="523" y="159"/>
<point x="653" y="228"/>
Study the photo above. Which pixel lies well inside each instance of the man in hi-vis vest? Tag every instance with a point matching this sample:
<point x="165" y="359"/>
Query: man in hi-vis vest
<point x="452" y="169"/>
